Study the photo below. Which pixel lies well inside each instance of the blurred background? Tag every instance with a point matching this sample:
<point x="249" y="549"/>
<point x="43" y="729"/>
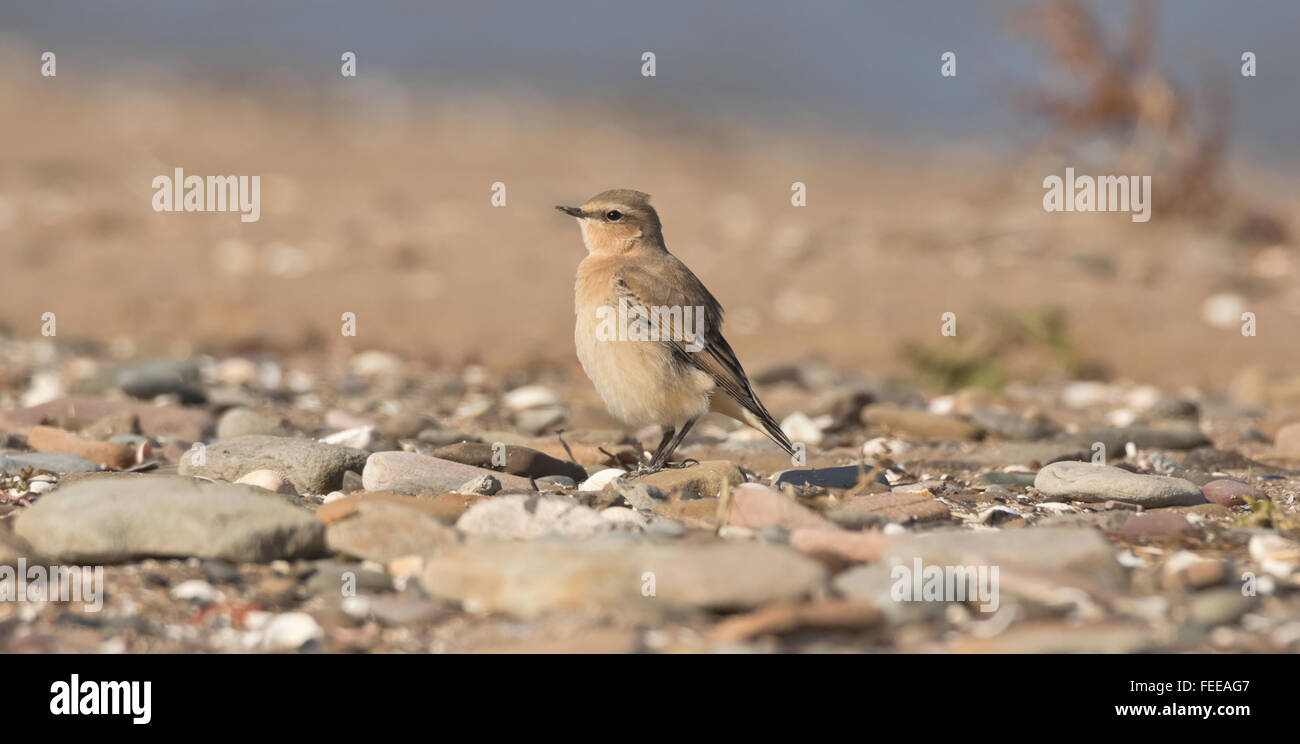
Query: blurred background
<point x="924" y="192"/>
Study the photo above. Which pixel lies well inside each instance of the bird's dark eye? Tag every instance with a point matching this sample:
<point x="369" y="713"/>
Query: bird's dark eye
<point x="613" y="215"/>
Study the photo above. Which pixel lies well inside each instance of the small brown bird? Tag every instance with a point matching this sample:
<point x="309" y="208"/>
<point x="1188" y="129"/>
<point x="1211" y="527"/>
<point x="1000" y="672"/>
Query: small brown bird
<point x="649" y="335"/>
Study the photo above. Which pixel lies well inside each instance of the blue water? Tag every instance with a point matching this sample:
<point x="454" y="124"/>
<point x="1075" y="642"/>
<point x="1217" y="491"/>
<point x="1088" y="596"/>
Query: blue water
<point x="871" y="64"/>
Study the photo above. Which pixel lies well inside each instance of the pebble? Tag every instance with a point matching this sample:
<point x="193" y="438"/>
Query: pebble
<point x="1215" y="607"/>
<point x="1287" y="441"/>
<point x="756" y="506"/>
<point x="875" y="584"/>
<point x="109" y="520"/>
<point x="240" y="422"/>
<point x="851" y="518"/>
<point x="332" y="578"/>
<point x="150" y="379"/>
<point x="195" y="590"/>
<point x="625" y="519"/>
<point x="410" y="473"/>
<point x="361" y="437"/>
<point x="289" y="631"/>
<point x="602" y="478"/>
<point x="1275" y="554"/>
<point x="539" y="420"/>
<point x="1228" y="492"/>
<point x="1087" y="482"/>
<point x="1185" y="569"/>
<point x="518" y="517"/>
<point x="404" y="425"/>
<point x="13" y="547"/>
<point x="705" y="478"/>
<point x="1004" y="423"/>
<point x="384" y="531"/>
<point x="562" y="481"/>
<point x="510" y="458"/>
<point x="844" y="476"/>
<point x="398" y="611"/>
<point x="640" y="495"/>
<point x="270" y="480"/>
<point x="665" y="527"/>
<point x="483" y="484"/>
<point x="1155" y="524"/>
<point x="531" y="578"/>
<point x="1069" y="550"/>
<point x="884" y="447"/>
<point x="374" y="364"/>
<point x="171" y="420"/>
<point x="13" y="464"/>
<point x="445" y="507"/>
<point x="800" y="428"/>
<point x="530" y="396"/>
<point x="116" y="424"/>
<point x="857" y="547"/>
<point x="313" y="467"/>
<point x="56" y="441"/>
<point x="899" y="506"/>
<point x="1017" y="479"/>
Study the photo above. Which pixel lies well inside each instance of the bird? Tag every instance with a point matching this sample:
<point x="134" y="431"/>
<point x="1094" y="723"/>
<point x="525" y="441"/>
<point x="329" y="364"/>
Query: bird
<point x="649" y="334"/>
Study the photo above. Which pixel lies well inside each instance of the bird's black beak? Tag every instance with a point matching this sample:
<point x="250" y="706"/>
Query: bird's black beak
<point x="571" y="211"/>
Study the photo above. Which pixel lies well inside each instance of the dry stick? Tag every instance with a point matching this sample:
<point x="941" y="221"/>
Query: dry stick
<point x="560" y="435"/>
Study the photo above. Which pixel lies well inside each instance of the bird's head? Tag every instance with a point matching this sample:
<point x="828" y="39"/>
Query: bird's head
<point x="617" y="220"/>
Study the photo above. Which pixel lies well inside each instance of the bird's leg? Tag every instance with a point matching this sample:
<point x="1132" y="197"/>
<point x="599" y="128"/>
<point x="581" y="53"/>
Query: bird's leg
<point x="668" y="432"/>
<point x="646" y="468"/>
<point x="661" y="458"/>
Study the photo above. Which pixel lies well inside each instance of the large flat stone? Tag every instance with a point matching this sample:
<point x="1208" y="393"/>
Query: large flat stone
<point x="1081" y="481"/>
<point x="110" y="520"/>
<point x="314" y="467"/>
<point x="531" y="578"/>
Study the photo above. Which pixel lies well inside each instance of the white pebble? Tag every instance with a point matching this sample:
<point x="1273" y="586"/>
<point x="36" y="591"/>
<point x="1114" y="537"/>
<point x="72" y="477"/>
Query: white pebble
<point x="361" y="437"/>
<point x="601" y="479"/>
<point x="195" y="590"/>
<point x="290" y="630"/>
<point x="800" y="428"/>
<point x="530" y="396"/>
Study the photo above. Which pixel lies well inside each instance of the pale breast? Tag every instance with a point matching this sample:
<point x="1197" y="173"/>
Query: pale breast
<point x="640" y="381"/>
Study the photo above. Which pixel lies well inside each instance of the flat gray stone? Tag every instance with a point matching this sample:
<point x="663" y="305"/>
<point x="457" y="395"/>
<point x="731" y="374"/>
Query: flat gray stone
<point x="514" y="459"/>
<point x="531" y="578"/>
<point x="413" y="474"/>
<point x="1042" y="558"/>
<point x="313" y="467"/>
<point x="1081" y="481"/>
<point x="241" y="422"/>
<point x="1077" y="550"/>
<point x="843" y="476"/>
<point x="11" y="464"/>
<point x="110" y="520"/>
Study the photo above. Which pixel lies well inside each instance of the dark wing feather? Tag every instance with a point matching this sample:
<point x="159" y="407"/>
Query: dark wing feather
<point x="677" y="286"/>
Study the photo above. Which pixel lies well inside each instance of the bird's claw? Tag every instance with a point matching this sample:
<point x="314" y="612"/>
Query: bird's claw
<point x="650" y="469"/>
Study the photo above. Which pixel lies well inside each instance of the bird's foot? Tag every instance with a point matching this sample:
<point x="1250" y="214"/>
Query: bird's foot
<point x="683" y="464"/>
<point x="652" y="467"/>
<point x="644" y="469"/>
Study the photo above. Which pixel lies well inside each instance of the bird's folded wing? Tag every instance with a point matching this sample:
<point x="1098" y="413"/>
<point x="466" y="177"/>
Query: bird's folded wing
<point x="704" y="348"/>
